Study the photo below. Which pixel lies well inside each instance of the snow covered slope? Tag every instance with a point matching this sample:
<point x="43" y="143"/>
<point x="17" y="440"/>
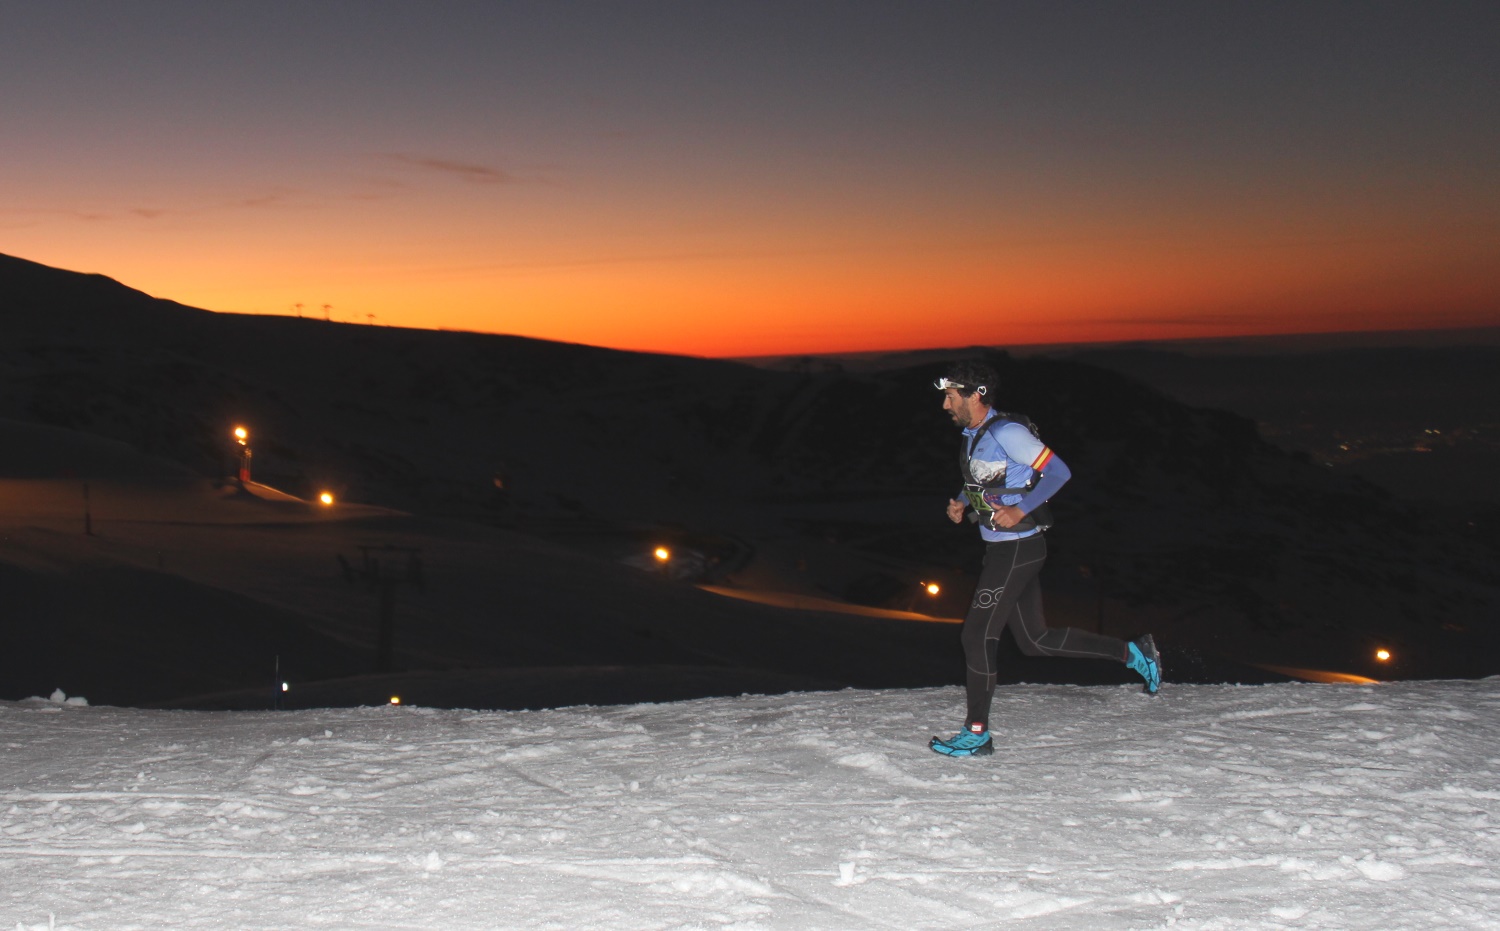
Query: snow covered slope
<point x="1211" y="807"/>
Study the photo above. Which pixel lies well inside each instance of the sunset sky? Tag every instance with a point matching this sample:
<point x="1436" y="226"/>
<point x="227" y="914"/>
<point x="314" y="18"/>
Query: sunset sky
<point x="757" y="178"/>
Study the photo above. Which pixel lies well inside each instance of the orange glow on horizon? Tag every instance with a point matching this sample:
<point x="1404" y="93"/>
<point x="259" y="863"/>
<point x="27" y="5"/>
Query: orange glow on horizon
<point x="874" y="297"/>
<point x="739" y="318"/>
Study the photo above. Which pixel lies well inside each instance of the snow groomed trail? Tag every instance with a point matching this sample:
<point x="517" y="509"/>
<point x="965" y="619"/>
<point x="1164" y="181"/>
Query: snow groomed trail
<point x="1284" y="806"/>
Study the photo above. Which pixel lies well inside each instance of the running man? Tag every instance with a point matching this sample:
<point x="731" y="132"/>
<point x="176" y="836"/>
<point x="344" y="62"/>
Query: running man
<point x="1008" y="474"/>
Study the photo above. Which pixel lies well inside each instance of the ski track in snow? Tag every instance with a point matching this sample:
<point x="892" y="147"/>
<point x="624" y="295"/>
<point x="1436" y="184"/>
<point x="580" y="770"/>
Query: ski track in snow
<point x="1209" y="807"/>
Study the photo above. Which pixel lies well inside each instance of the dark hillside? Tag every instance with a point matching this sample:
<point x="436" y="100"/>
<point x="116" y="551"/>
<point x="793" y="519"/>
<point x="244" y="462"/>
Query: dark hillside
<point x="1180" y="519"/>
<point x="1421" y="421"/>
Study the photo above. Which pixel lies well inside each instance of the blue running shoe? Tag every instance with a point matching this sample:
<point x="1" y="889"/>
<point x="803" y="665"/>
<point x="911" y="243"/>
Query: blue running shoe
<point x="1145" y="660"/>
<point x="966" y="742"/>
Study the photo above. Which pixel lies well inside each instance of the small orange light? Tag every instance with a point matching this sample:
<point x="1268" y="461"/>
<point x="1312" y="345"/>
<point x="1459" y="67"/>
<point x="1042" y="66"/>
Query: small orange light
<point x="933" y="588"/>
<point x="241" y="434"/>
<point x="662" y="554"/>
<point x="395" y="699"/>
<point x="326" y="498"/>
<point x="1383" y="655"/>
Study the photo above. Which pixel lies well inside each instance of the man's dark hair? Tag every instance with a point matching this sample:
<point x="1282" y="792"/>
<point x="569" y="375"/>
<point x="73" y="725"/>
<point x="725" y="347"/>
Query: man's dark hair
<point x="973" y="375"/>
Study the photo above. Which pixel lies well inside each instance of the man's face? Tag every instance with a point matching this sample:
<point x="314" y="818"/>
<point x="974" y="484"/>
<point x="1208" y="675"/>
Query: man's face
<point x="961" y="409"/>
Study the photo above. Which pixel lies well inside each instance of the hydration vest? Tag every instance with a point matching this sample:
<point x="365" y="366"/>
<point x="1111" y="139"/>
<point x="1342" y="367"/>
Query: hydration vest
<point x="1040" y="516"/>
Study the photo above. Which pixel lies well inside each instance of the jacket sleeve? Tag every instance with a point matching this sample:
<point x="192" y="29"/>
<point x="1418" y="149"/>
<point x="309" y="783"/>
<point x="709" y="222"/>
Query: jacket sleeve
<point x="1055" y="477"/>
<point x="1023" y="446"/>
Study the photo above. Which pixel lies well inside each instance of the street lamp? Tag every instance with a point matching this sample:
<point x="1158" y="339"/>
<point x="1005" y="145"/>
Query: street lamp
<point x="931" y="588"/>
<point x="327" y="498"/>
<point x="242" y="437"/>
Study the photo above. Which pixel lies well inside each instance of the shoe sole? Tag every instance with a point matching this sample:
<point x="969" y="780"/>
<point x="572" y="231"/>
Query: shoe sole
<point x="985" y="749"/>
<point x="1154" y="655"/>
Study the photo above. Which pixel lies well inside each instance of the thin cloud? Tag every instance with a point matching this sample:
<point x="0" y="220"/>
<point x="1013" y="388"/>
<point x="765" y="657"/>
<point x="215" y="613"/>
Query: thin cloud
<point x="20" y="217"/>
<point x="468" y="171"/>
<point x="278" y="198"/>
<point x="1180" y="320"/>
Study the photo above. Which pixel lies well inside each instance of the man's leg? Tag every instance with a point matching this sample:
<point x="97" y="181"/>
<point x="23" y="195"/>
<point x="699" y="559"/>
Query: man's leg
<point x="1029" y="626"/>
<point x="1010" y="568"/>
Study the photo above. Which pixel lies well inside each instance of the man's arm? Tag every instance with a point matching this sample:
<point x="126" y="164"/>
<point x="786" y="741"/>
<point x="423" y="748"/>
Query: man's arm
<point x="1022" y="445"/>
<point x="1057" y="473"/>
<point x="1054" y="478"/>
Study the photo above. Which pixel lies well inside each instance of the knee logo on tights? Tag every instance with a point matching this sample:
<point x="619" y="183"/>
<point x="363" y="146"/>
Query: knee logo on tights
<point x="988" y="597"/>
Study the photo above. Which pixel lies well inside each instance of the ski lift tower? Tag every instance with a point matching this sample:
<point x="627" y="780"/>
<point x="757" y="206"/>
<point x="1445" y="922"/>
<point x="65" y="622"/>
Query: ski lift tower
<point x="385" y="569"/>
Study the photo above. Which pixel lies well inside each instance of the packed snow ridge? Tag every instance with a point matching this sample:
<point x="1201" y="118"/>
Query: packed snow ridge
<point x="1208" y="807"/>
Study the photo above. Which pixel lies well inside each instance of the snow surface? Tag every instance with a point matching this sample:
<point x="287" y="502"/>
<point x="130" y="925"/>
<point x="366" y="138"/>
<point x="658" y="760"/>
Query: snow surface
<point x="1234" y="807"/>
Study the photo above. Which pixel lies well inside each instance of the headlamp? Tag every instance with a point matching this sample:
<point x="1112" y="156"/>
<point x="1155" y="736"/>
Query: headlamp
<point x="943" y="384"/>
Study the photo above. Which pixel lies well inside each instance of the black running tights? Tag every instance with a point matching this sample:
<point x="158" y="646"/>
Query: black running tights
<point x="1010" y="595"/>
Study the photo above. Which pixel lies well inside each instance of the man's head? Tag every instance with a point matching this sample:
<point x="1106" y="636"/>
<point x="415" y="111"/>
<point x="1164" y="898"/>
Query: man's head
<point x="968" y="390"/>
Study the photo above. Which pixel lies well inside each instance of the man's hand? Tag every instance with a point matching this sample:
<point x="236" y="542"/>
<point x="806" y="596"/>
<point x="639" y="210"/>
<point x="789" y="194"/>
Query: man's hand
<point x="956" y="510"/>
<point x="1007" y="517"/>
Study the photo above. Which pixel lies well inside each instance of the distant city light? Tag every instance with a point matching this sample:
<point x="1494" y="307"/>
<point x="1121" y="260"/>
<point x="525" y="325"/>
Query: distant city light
<point x="326" y="498"/>
<point x="662" y="554"/>
<point x="395" y="699"/>
<point x="1383" y="655"/>
<point x="933" y="588"/>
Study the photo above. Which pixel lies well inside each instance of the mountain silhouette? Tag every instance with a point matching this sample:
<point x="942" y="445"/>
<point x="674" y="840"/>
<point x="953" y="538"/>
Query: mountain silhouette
<point x="803" y="478"/>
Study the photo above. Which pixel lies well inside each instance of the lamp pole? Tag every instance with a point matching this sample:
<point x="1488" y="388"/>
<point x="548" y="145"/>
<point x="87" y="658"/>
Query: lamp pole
<point x="242" y="436"/>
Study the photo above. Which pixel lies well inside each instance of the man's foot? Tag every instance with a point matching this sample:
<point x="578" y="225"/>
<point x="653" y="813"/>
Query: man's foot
<point x="967" y="742"/>
<point x="1145" y="659"/>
